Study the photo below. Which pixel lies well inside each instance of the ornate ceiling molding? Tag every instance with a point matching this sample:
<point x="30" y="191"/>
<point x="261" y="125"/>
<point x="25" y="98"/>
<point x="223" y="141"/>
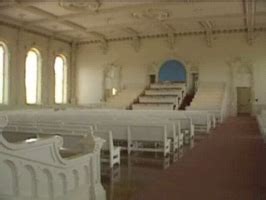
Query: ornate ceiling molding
<point x="208" y="27"/>
<point x="179" y="34"/>
<point x="171" y="36"/>
<point x="136" y="41"/>
<point x="103" y="42"/>
<point x="249" y="12"/>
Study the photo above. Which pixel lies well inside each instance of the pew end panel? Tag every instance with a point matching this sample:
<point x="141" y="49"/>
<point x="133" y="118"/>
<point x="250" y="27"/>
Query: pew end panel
<point x="113" y="151"/>
<point x="35" y="170"/>
<point x="150" y="134"/>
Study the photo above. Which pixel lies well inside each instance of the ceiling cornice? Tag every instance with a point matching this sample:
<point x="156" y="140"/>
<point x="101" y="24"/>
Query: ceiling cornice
<point x="249" y="12"/>
<point x="172" y="20"/>
<point x="129" y="30"/>
<point x="180" y="34"/>
<point x="10" y="23"/>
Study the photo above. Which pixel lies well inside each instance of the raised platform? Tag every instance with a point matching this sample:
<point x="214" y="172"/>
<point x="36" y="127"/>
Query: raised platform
<point x="161" y="96"/>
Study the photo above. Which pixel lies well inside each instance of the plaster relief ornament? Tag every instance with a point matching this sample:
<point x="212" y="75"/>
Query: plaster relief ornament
<point x="157" y="14"/>
<point x="80" y="5"/>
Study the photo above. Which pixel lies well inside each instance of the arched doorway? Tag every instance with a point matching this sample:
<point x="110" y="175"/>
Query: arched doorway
<point x="173" y="71"/>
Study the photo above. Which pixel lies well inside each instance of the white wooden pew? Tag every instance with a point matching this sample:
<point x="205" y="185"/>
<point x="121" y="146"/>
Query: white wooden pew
<point x="36" y="169"/>
<point x="261" y="119"/>
<point x="63" y="128"/>
<point x="114" y="151"/>
<point x="157" y="136"/>
<point x="123" y="115"/>
<point x="149" y="106"/>
<point x="148" y="115"/>
<point x="126" y="132"/>
<point x="90" y="116"/>
<point x="69" y="132"/>
<point x="121" y="131"/>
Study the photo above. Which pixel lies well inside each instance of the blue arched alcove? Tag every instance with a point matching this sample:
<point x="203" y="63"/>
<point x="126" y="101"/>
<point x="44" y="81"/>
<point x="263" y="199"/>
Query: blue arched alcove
<point x="172" y="70"/>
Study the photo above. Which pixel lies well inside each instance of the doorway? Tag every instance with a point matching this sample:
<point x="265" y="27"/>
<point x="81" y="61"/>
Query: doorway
<point x="152" y="78"/>
<point x="243" y="100"/>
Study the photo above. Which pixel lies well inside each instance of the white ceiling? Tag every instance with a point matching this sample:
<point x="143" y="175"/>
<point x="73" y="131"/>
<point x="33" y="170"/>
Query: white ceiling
<point x="90" y="20"/>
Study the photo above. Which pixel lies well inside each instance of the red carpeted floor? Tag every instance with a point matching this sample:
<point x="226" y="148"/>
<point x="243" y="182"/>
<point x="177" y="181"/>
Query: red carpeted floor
<point x="230" y="164"/>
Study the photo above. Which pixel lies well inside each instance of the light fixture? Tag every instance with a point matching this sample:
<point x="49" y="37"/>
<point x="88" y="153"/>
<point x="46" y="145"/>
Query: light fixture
<point x="114" y="91"/>
<point x="30" y="140"/>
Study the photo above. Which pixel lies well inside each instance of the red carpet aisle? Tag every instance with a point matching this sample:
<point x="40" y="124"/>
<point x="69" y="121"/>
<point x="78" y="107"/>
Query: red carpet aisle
<point x="228" y="165"/>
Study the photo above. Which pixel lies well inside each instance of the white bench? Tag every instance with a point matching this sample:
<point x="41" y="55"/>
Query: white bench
<point x="123" y="115"/>
<point x="261" y="119"/>
<point x="149" y="106"/>
<point x="69" y="132"/>
<point x="125" y="132"/>
<point x="156" y="135"/>
<point x="36" y="169"/>
<point x="151" y="115"/>
<point x="120" y="131"/>
<point x="114" y="151"/>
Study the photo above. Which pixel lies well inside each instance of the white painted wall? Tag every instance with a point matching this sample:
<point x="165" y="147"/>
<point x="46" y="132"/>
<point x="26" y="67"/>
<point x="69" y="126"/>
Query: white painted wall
<point x="18" y="44"/>
<point x="193" y="50"/>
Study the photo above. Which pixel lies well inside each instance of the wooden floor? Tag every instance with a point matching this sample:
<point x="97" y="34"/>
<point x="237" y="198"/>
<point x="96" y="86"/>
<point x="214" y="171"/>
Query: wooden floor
<point x="230" y="164"/>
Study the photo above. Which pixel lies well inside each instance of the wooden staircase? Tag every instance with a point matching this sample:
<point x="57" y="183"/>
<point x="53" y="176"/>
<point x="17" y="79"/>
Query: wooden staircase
<point x="186" y="101"/>
<point x="161" y="96"/>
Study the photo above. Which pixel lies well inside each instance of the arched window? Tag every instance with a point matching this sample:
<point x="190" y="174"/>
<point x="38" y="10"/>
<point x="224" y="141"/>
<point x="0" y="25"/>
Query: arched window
<point x="32" y="77"/>
<point x="60" y="70"/>
<point x="3" y="73"/>
<point x="173" y="71"/>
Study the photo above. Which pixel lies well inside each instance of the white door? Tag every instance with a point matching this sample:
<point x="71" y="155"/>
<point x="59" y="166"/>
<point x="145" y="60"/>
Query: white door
<point x="243" y="100"/>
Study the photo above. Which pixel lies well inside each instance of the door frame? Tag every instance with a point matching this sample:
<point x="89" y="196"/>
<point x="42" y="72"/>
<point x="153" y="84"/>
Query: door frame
<point x="250" y="105"/>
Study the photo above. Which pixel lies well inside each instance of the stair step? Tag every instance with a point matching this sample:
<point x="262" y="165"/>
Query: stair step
<point x="158" y="99"/>
<point x="153" y="106"/>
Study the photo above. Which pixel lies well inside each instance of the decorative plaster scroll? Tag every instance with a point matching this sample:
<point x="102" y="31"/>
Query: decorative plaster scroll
<point x="194" y="69"/>
<point x="103" y="43"/>
<point x="208" y="27"/>
<point x="153" y="68"/>
<point x="136" y="41"/>
<point x="171" y="39"/>
<point x="104" y="46"/>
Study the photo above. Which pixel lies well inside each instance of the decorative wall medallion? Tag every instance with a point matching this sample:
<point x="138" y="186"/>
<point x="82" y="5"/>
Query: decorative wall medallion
<point x="157" y="14"/>
<point x="80" y="5"/>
